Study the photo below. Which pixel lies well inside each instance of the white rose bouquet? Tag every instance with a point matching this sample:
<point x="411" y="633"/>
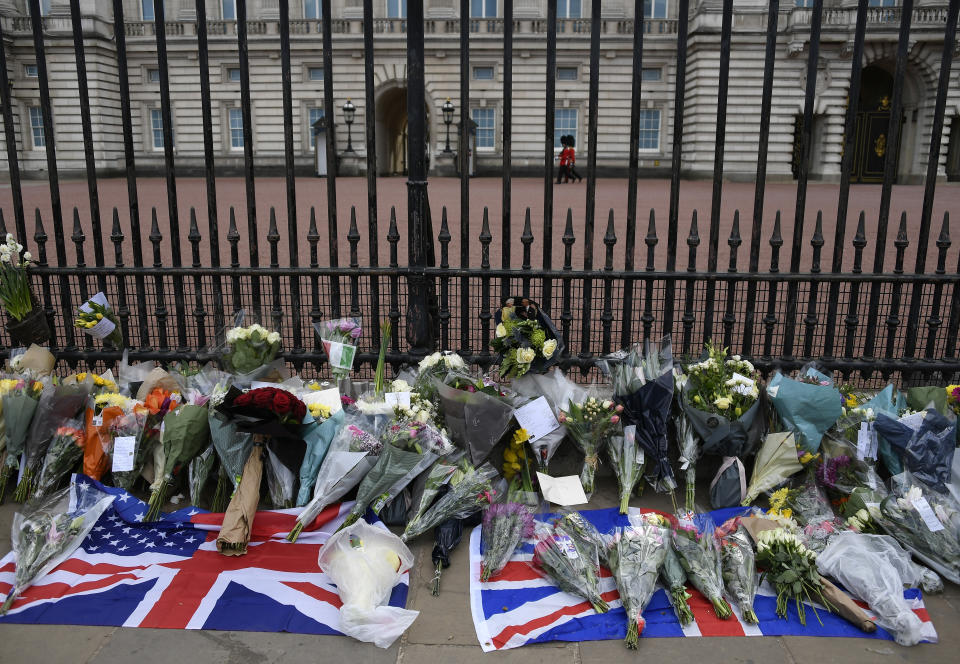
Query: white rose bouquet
<point x="249" y="348"/>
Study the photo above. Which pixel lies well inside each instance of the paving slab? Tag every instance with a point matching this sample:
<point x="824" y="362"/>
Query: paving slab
<point x="52" y="644"/>
<point x="691" y="649"/>
<point x="545" y="653"/>
<point x="162" y="646"/>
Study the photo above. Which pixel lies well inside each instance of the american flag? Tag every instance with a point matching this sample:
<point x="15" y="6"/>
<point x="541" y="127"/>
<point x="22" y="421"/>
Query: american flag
<point x="169" y="574"/>
<point x="519" y="606"/>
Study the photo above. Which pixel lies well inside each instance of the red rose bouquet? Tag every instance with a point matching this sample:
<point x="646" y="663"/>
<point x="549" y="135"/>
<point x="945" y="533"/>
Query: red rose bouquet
<point x="268" y="413"/>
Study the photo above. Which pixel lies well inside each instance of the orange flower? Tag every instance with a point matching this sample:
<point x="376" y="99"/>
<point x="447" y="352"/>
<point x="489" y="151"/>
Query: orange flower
<point x="154" y="400"/>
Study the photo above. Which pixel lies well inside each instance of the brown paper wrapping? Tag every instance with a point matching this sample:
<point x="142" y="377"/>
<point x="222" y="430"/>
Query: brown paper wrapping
<point x="39" y="359"/>
<point x="238" y="519"/>
<point x="157" y="378"/>
<point x="843" y="605"/>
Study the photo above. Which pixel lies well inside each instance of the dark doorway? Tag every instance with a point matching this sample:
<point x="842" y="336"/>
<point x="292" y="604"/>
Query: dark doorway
<point x="953" y="151"/>
<point x="873" y="125"/>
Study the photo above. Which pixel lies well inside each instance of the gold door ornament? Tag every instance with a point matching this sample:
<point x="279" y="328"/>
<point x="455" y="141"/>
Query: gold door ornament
<point x="880" y="145"/>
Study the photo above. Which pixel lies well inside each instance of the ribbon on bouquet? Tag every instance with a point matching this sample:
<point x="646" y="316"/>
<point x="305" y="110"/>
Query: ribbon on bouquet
<point x="729" y="461"/>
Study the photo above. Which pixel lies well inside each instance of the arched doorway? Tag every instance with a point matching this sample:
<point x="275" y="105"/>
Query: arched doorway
<point x="391" y="116"/>
<point x="873" y="125"/>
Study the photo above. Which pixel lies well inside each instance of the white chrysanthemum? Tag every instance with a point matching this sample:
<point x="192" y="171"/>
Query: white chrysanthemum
<point x="453" y="361"/>
<point x="429" y="361"/>
<point x="400" y="386"/>
<point x="273" y="337"/>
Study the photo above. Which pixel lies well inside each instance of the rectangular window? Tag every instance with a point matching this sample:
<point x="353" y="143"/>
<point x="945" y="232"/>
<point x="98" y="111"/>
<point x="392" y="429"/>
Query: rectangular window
<point x="483" y="73"/>
<point x="44" y="8"/>
<point x="153" y="76"/>
<point x="156" y="126"/>
<point x="233" y="73"/>
<point x="567" y="73"/>
<point x="871" y="3"/>
<point x="396" y="8"/>
<point x="228" y="10"/>
<point x="568" y="9"/>
<point x="236" y="129"/>
<point x="315" y="73"/>
<point x="486" y="126"/>
<point x="146" y="10"/>
<point x="313" y="114"/>
<point x="809" y="3"/>
<point x="649" y="129"/>
<point x="30" y="71"/>
<point x="655" y="8"/>
<point x="564" y="124"/>
<point x="36" y="127"/>
<point x="652" y="74"/>
<point x="483" y="8"/>
<point x="311" y="9"/>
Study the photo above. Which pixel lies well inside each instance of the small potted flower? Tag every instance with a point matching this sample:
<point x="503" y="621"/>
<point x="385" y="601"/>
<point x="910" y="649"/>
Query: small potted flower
<point x="26" y="322"/>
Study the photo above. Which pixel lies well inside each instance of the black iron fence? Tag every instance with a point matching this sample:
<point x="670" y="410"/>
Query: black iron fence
<point x="869" y="322"/>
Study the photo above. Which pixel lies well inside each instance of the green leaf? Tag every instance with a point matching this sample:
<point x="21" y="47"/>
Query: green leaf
<point x="788" y="576"/>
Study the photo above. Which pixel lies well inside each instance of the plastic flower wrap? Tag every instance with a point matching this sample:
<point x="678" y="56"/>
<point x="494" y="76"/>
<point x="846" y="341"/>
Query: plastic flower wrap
<point x="635" y="554"/>
<point x="777" y="460"/>
<point x="505" y="526"/>
<point x="926" y="443"/>
<point x="466" y="495"/>
<point x="926" y="522"/>
<point x="699" y="555"/>
<point x="739" y="567"/>
<point x="525" y="338"/>
<point x="475" y="414"/>
<point x="626" y="457"/>
<point x="107" y="408"/>
<point x="96" y="318"/>
<point x="339" y="339"/>
<point x="792" y="570"/>
<point x="643" y="386"/>
<point x="15" y="293"/>
<point x="808" y="406"/>
<point x="19" y="406"/>
<point x="559" y="391"/>
<point x="410" y="447"/>
<point x="317" y="435"/>
<point x="126" y="446"/>
<point x="185" y="434"/>
<point x="198" y="472"/>
<point x="248" y="348"/>
<point x="674" y="580"/>
<point x="365" y="563"/>
<point x="571" y="569"/>
<point x="65" y="450"/>
<point x="590" y="424"/>
<point x="47" y="532"/>
<point x="427" y="486"/>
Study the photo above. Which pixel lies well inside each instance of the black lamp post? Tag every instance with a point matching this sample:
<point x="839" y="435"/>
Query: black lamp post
<point x="348" y="112"/>
<point x="447" y="109"/>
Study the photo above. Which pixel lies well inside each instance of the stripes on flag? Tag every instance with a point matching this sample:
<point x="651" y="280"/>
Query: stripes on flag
<point x="519" y="606"/>
<point x="168" y="574"/>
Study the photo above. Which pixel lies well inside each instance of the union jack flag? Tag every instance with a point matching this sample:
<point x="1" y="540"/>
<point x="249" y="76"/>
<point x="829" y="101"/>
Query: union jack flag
<point x="168" y="574"/>
<point x="519" y="606"/>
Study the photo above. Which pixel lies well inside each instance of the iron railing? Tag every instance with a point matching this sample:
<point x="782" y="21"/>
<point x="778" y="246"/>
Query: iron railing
<point x="869" y="322"/>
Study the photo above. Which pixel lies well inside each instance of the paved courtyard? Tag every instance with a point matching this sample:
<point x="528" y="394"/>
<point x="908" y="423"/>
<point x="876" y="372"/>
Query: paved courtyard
<point x="611" y="194"/>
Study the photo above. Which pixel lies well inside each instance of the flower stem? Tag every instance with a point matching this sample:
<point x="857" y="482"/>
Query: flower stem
<point x="23" y="488"/>
<point x="295" y="533"/>
<point x="435" y="589"/>
<point x="624" y="502"/>
<point x="633" y="636"/>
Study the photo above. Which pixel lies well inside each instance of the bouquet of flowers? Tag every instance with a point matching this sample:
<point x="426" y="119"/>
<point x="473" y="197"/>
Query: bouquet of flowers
<point x="590" y="424"/>
<point x="319" y="429"/>
<point x="339" y="339"/>
<point x="19" y="405"/>
<point x="504" y="526"/>
<point x="777" y="460"/>
<point x="557" y="557"/>
<point x="466" y="495"/>
<point x="674" y="579"/>
<point x="526" y="339"/>
<point x="558" y="391"/>
<point x="586" y="538"/>
<point x="131" y="436"/>
<point x="231" y="445"/>
<point x="687" y="441"/>
<point x="438" y="366"/>
<point x="927" y="449"/>
<point x="953" y="398"/>
<point x="66" y="449"/>
<point x="353" y="452"/>
<point x="927" y="523"/>
<point x="792" y="570"/>
<point x="739" y="566"/>
<point x="281" y="482"/>
<point x="807" y="406"/>
<point x="635" y="555"/>
<point x="28" y="324"/>
<point x="643" y="386"/>
<point x="48" y="531"/>
<point x="722" y="400"/>
<point x="97" y="319"/>
<point x="107" y="407"/>
<point x="198" y="472"/>
<point x="627" y="459"/>
<point x="410" y="447"/>
<point x="427" y="486"/>
<point x="249" y="348"/>
<point x="185" y="433"/>
<point x="700" y="557"/>
<point x="268" y="413"/>
<point x="57" y="406"/>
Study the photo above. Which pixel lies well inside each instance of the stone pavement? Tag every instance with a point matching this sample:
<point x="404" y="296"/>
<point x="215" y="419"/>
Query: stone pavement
<point x="443" y="633"/>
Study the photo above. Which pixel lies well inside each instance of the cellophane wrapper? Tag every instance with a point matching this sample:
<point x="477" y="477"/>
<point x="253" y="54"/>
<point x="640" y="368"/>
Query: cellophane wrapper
<point x="462" y="499"/>
<point x="504" y="526"/>
<point x="557" y="558"/>
<point x="635" y="555"/>
<point x="739" y="566"/>
<point x="700" y="556"/>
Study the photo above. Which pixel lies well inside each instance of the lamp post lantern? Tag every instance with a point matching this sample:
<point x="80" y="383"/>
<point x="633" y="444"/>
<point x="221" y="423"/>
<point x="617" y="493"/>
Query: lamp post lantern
<point x="349" y="110"/>
<point x="447" y="109"/>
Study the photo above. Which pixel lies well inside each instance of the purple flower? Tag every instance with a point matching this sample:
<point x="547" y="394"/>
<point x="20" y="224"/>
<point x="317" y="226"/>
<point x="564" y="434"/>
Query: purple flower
<point x="522" y="513"/>
<point x="346" y="325"/>
<point x="356" y="332"/>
